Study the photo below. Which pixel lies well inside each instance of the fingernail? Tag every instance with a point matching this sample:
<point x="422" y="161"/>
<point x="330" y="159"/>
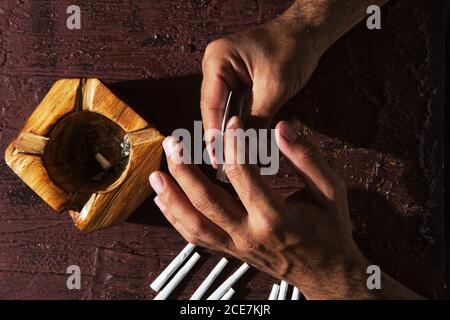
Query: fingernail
<point x="233" y="122"/>
<point x="160" y="204"/>
<point x="156" y="182"/>
<point x="288" y="132"/>
<point x="169" y="144"/>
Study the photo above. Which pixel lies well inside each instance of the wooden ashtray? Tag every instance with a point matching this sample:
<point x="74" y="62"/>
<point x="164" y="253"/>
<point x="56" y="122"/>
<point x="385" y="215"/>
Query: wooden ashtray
<point x="85" y="152"/>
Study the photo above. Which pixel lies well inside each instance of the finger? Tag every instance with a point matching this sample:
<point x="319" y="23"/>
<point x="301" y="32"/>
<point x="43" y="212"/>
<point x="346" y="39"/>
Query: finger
<point x="211" y="200"/>
<point x="181" y="230"/>
<point x="223" y="71"/>
<point x="169" y="216"/>
<point x="218" y="79"/>
<point x="195" y="227"/>
<point x="214" y="95"/>
<point x="317" y="174"/>
<point x="252" y="189"/>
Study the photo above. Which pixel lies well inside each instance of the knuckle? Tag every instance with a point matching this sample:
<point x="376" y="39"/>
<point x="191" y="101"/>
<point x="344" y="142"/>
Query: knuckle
<point x="267" y="227"/>
<point x="192" y="239"/>
<point x="203" y="201"/>
<point x="245" y="244"/>
<point x="217" y="45"/>
<point x="234" y="170"/>
<point x="175" y="169"/>
<point x="171" y="219"/>
<point x="196" y="229"/>
<point x="168" y="198"/>
<point x="213" y="49"/>
<point x="218" y="68"/>
<point x="199" y="228"/>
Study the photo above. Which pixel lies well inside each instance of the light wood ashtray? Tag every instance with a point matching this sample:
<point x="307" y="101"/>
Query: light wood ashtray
<point x="87" y="153"/>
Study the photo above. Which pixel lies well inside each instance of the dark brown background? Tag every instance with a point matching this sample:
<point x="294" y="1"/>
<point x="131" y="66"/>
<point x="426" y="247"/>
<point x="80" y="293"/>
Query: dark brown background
<point x="374" y="108"/>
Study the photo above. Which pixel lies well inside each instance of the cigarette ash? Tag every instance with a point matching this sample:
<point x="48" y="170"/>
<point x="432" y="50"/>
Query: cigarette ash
<point x="126" y="146"/>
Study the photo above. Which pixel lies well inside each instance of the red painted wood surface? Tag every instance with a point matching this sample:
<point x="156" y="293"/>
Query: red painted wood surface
<point x="373" y="107"/>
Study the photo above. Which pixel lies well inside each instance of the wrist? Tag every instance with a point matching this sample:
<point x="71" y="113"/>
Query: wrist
<point x="326" y="20"/>
<point x="340" y="276"/>
<point x="308" y="26"/>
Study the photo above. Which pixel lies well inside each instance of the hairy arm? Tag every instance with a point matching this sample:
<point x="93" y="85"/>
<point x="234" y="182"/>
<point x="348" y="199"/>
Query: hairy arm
<point x="275" y="59"/>
<point x="327" y="20"/>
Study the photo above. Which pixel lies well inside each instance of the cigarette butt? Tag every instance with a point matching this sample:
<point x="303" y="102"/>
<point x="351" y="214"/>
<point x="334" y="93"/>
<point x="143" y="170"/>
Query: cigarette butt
<point x="171" y="268"/>
<point x="227" y="284"/>
<point x="295" y="294"/>
<point x="283" y="290"/>
<point x="274" y="292"/>
<point x="164" y="293"/>
<point x="228" y="294"/>
<point x="106" y="165"/>
<point x="198" y="294"/>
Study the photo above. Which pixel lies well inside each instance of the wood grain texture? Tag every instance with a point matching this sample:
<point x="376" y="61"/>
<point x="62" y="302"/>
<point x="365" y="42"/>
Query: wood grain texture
<point x="373" y="108"/>
<point x="30" y="143"/>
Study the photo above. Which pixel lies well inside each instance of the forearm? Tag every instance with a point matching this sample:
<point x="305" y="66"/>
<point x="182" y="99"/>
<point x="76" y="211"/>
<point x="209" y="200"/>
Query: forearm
<point x="346" y="278"/>
<point x="326" y="20"/>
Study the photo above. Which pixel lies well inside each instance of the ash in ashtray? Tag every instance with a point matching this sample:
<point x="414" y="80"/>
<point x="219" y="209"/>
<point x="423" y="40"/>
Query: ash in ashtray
<point x="126" y="146"/>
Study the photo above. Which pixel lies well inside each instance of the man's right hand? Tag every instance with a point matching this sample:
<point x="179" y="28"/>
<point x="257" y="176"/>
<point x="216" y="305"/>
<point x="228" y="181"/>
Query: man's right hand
<point x="305" y="239"/>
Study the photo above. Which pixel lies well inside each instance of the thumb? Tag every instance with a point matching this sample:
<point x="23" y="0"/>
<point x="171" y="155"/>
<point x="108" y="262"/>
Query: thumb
<point x="319" y="177"/>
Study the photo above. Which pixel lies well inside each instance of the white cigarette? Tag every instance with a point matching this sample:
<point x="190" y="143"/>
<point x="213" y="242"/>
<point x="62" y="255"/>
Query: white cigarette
<point x="283" y="290"/>
<point x="171" y="268"/>
<point x="164" y="293"/>
<point x="274" y="292"/>
<point x="227" y="284"/>
<point x="106" y="165"/>
<point x="228" y="294"/>
<point x="198" y="294"/>
<point x="295" y="294"/>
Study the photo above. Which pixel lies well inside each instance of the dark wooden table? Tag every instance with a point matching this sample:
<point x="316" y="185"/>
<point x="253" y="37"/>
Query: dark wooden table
<point x="374" y="108"/>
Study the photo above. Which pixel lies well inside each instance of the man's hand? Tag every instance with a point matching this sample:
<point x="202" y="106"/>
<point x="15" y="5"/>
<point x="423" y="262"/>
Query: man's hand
<point x="275" y="60"/>
<point x="306" y="240"/>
